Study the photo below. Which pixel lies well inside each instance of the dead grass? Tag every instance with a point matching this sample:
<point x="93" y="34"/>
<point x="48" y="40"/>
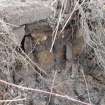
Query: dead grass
<point x="95" y="39"/>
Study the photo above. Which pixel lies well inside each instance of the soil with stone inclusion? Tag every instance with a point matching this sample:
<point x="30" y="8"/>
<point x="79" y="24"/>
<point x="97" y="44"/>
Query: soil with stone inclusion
<point x="69" y="79"/>
<point x="67" y="60"/>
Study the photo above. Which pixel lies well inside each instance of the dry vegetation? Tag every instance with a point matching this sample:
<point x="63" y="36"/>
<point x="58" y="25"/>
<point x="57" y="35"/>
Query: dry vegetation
<point x="90" y="22"/>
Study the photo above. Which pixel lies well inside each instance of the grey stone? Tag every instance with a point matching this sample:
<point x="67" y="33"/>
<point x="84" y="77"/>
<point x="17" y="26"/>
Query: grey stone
<point x="69" y="52"/>
<point x="38" y="26"/>
<point x="19" y="34"/>
<point x="19" y="14"/>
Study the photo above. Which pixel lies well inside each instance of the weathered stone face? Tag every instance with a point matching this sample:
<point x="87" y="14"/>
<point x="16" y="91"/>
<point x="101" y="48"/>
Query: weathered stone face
<point x="19" y="34"/>
<point x="19" y="15"/>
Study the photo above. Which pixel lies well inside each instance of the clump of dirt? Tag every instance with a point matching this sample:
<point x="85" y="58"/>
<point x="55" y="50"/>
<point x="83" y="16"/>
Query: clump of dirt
<point x="46" y="57"/>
